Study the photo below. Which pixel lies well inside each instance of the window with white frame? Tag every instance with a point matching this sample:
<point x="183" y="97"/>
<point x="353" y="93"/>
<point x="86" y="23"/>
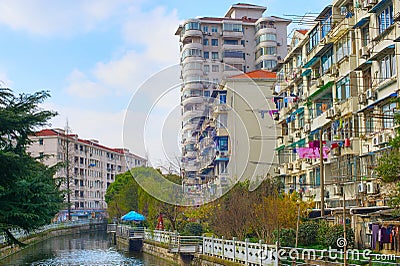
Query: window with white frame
<point x="385" y="18"/>
<point x="215" y="68"/>
<point x="327" y="61"/>
<point x="343" y="47"/>
<point x="343" y="89"/>
<point x="387" y="67"/>
<point x="388" y="111"/>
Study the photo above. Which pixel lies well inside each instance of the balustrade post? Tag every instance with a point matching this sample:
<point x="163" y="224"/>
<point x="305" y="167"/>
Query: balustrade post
<point x="234" y="248"/>
<point x="261" y="253"/>
<point x="246" y="241"/>
<point x="223" y="247"/>
<point x="212" y="245"/>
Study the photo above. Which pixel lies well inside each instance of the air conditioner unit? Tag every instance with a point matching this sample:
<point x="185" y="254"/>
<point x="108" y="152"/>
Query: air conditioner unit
<point x="362" y="98"/>
<point x="290" y="166"/>
<point x="383" y="138"/>
<point x="298" y="134"/>
<point x="308" y="160"/>
<point x="209" y="34"/>
<point x="330" y="113"/>
<point x="364" y="52"/>
<point x="361" y="188"/>
<point x="277" y="170"/>
<point x="320" y="82"/>
<point x="370" y="94"/>
<point x="375" y="141"/>
<point x="372" y="187"/>
<point x="307" y="127"/>
<point x="372" y="2"/>
<point x="290" y="139"/>
<point x="334" y="70"/>
<point x="298" y="165"/>
<point x="337" y="190"/>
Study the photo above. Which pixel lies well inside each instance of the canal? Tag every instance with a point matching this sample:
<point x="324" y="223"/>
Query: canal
<point x="92" y="248"/>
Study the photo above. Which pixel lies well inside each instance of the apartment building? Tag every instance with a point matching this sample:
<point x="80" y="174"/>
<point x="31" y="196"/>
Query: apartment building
<point x="334" y="93"/>
<point x="236" y="139"/>
<point x="92" y="166"/>
<point x="213" y="48"/>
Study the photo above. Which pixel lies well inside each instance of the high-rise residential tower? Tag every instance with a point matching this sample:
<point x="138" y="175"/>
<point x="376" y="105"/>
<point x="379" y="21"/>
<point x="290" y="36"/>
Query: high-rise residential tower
<point x="213" y="48"/>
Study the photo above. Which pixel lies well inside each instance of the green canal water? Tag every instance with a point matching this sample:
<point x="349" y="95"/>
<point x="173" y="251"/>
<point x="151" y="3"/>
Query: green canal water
<point x="80" y="249"/>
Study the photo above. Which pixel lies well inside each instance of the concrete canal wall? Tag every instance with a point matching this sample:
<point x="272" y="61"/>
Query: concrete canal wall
<point x="47" y="232"/>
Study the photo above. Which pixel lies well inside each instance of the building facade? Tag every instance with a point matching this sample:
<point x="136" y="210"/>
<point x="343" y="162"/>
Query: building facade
<point x="334" y="95"/>
<point x="213" y="48"/>
<point x="91" y="168"/>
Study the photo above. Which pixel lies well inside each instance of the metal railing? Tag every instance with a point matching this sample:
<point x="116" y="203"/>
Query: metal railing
<point x="19" y="233"/>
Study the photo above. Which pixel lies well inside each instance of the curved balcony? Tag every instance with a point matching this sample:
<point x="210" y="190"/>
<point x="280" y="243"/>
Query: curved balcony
<point x="191" y="58"/>
<point x="236" y="47"/>
<point x="186" y="100"/>
<point x="191" y="33"/>
<point x="265" y="57"/>
<point x="192" y="114"/>
<point x="266" y="30"/>
<point x="193" y="45"/>
<point x="192" y="72"/>
<point x="190" y="126"/>
<point x="268" y="43"/>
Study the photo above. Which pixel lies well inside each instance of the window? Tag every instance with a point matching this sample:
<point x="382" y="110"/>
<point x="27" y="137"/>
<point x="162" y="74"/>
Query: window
<point x="314" y="39"/>
<point x="223" y="167"/>
<point x="266" y="64"/>
<point x="207" y="94"/>
<point x="231" y="42"/>
<point x="343" y="48"/>
<point x="385" y="18"/>
<point x="206" y="42"/>
<point x="191" y="52"/>
<point x="388" y="111"/>
<point x="214" y="29"/>
<point x="266" y="37"/>
<point x="326" y="24"/>
<point x="242" y="42"/>
<point x="191" y="26"/>
<point x="232" y="54"/>
<point x="343" y="89"/>
<point x="232" y="27"/>
<point x="222" y="144"/>
<point x="387" y="67"/>
<point x="41" y="155"/>
<point x="215" y="68"/>
<point x="40" y="141"/>
<point x="327" y="61"/>
<point x="205" y="28"/>
<point x="367" y="80"/>
<point x="214" y="42"/>
<point x="369" y="124"/>
<point x="206" y="68"/>
<point x="266" y="51"/>
<point x="365" y="35"/>
<point x="206" y="55"/>
<point x="214" y="55"/>
<point x="222" y="98"/>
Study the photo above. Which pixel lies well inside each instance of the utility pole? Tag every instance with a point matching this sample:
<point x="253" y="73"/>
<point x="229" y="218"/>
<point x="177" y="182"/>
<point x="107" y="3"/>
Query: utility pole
<point x="321" y="173"/>
<point x="67" y="172"/>
<point x="344" y="230"/>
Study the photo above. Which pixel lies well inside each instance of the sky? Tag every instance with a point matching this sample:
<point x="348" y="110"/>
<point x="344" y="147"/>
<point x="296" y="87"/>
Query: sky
<point x="96" y="56"/>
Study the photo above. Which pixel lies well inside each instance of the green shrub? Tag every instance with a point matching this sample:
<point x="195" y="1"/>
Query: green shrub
<point x="336" y="232"/>
<point x="287" y="237"/>
<point x="193" y="229"/>
<point x="308" y="232"/>
<point x="323" y="229"/>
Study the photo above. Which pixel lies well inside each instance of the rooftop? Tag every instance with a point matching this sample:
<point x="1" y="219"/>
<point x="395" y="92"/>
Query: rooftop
<point x="256" y="74"/>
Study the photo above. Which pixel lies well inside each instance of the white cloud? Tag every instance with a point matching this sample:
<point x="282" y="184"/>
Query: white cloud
<point x="61" y="17"/>
<point x="4" y="80"/>
<point x="83" y="87"/>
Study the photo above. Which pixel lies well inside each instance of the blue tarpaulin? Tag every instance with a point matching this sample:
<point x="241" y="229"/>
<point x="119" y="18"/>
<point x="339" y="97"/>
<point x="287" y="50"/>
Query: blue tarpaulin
<point x="133" y="216"/>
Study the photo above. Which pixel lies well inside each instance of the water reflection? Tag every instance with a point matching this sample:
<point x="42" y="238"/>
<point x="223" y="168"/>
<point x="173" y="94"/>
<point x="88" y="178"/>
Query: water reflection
<point x="80" y="249"/>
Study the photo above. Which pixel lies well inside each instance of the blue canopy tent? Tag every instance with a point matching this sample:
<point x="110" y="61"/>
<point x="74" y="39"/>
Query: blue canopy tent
<point x="133" y="216"/>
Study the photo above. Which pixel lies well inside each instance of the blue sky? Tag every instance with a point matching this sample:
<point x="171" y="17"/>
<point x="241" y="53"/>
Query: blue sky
<point x="92" y="55"/>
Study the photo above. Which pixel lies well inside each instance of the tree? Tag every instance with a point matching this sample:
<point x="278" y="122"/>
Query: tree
<point x="29" y="195"/>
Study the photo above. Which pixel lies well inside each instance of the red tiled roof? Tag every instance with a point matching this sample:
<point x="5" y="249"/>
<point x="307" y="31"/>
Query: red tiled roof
<point x="46" y="132"/>
<point x="257" y="74"/>
<point x="304" y="32"/>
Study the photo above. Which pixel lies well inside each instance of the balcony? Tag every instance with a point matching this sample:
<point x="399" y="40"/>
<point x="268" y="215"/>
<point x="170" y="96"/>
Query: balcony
<point x="340" y="29"/>
<point x="347" y="106"/>
<point x="195" y="99"/>
<point x="222" y="131"/>
<point x="191" y="33"/>
<point x="192" y="114"/>
<point x="266" y="30"/>
<point x="232" y="34"/>
<point x="220" y="108"/>
<point x="236" y="47"/>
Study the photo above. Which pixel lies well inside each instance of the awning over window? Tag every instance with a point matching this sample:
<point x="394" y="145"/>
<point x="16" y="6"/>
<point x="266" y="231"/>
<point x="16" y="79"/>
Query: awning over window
<point x="280" y="148"/>
<point x="361" y="22"/>
<point x="364" y="65"/>
<point x="299" y="143"/>
<point x="321" y="89"/>
<point x="299" y="111"/>
<point x="306" y="73"/>
<point x="387" y="50"/>
<point x="311" y="62"/>
<point x="377" y="101"/>
<point x="379" y="6"/>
